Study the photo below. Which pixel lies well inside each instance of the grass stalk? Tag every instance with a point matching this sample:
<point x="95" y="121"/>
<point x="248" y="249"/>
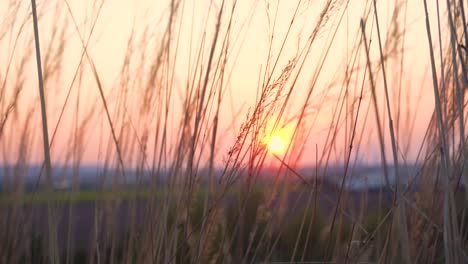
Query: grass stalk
<point x="459" y="94"/>
<point x="450" y="249"/>
<point x="401" y="215"/>
<point x="52" y="226"/>
<point x="376" y="110"/>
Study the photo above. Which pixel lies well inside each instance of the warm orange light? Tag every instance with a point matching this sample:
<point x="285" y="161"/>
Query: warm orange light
<point x="277" y="144"/>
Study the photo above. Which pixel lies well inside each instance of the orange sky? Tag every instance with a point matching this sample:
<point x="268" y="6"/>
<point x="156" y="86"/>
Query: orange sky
<point x="251" y="30"/>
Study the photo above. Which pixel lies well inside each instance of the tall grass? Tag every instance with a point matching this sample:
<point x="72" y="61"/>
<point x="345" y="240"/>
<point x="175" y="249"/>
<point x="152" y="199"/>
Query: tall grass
<point x="51" y="221"/>
<point x="182" y="170"/>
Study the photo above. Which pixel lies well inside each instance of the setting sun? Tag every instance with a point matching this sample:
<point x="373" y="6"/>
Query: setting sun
<point x="277" y="144"/>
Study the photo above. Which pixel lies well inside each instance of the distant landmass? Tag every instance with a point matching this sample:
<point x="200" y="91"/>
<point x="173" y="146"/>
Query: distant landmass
<point x="91" y="177"/>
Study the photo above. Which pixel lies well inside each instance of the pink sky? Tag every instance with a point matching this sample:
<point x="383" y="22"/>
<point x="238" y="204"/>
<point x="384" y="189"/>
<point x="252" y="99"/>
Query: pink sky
<point x="251" y="30"/>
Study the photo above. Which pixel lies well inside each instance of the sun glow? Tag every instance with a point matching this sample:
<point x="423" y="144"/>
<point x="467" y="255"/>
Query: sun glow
<point x="278" y="142"/>
<point x="277" y="145"/>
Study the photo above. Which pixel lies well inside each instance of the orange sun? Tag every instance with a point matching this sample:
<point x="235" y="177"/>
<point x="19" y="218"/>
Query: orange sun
<point x="278" y="143"/>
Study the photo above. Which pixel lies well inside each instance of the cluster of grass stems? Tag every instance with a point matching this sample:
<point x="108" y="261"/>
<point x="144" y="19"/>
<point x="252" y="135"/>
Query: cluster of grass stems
<point x="180" y="204"/>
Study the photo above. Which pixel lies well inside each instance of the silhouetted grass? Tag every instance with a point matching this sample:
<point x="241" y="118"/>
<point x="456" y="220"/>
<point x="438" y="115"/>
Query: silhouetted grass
<point x="184" y="177"/>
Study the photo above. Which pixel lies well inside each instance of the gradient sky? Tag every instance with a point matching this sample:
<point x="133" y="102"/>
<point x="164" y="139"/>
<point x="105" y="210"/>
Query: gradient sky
<point x="251" y="31"/>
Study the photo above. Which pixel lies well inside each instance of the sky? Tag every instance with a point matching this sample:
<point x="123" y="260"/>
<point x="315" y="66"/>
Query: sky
<point x="257" y="28"/>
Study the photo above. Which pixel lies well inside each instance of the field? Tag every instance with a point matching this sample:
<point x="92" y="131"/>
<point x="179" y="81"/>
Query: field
<point x="126" y="212"/>
<point x="228" y="131"/>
